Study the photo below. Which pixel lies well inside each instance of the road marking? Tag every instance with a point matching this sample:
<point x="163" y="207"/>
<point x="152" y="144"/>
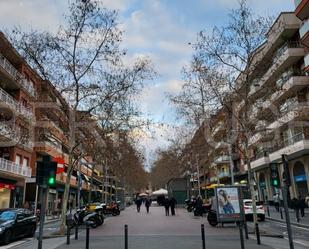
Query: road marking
<point x="13" y="244"/>
<point x="297" y="227"/>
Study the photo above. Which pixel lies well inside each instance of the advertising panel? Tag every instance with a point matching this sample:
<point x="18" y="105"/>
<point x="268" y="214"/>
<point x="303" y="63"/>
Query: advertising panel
<point x="229" y="206"/>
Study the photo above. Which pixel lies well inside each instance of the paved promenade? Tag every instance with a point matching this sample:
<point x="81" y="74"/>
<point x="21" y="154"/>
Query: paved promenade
<point x="156" y="231"/>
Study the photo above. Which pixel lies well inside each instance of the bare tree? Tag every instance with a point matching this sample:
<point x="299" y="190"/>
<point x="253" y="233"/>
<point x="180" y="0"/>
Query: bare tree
<point x="83" y="61"/>
<point x="227" y="61"/>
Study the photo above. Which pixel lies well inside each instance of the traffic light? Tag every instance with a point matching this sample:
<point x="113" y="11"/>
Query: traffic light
<point x="274" y="175"/>
<point x="51" y="177"/>
<point x="286" y="172"/>
<point x="46" y="172"/>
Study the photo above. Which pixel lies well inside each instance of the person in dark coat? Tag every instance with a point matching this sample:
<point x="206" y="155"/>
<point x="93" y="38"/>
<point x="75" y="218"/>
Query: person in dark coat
<point x="302" y="205"/>
<point x="138" y="204"/>
<point x="147" y="204"/>
<point x="167" y="207"/>
<point x="173" y="203"/>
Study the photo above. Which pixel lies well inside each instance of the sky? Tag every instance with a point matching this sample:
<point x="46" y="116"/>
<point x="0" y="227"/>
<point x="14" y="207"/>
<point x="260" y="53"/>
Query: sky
<point x="159" y="29"/>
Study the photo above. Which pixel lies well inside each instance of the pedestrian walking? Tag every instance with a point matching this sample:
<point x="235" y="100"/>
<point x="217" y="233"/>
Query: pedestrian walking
<point x="147" y="204"/>
<point x="173" y="203"/>
<point x="276" y="201"/>
<point x="167" y="206"/>
<point x="302" y="205"/>
<point x="138" y="204"/>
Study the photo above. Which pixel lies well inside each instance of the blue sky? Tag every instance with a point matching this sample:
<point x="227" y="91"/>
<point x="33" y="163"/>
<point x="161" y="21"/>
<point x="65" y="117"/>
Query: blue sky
<point x="160" y="29"/>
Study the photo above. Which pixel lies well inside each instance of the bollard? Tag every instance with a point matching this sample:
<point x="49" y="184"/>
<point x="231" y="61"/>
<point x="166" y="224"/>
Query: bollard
<point x="87" y="236"/>
<point x="257" y="230"/>
<point x="281" y="214"/>
<point x="203" y="236"/>
<point x="76" y="232"/>
<point x="246" y="230"/>
<point x="68" y="235"/>
<point x="126" y="236"/>
<point x="242" y="243"/>
<point x="268" y="213"/>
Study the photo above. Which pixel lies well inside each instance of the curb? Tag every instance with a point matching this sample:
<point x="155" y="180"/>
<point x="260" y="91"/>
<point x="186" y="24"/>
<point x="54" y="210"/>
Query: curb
<point x="283" y="222"/>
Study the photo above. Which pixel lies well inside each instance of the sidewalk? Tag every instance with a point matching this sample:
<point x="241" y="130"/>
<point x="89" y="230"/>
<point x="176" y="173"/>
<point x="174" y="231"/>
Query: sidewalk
<point x="276" y="216"/>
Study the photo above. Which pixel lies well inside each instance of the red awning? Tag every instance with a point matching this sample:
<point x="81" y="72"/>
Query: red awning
<point x="7" y="186"/>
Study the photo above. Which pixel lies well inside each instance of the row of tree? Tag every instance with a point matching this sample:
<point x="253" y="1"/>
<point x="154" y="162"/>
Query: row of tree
<point x="222" y="70"/>
<point x="84" y="61"/>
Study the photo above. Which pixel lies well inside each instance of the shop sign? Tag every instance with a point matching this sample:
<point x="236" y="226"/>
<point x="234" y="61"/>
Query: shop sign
<point x="7" y="186"/>
<point x="300" y="178"/>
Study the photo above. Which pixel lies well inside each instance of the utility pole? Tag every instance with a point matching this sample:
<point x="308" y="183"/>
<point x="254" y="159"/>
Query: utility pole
<point x="285" y="186"/>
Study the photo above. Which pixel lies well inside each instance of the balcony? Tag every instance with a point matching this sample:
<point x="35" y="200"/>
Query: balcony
<point x="291" y="112"/>
<point x="11" y="103"/>
<point x="288" y="87"/>
<point x="16" y="76"/>
<point x="10" y="135"/>
<point x="261" y="136"/>
<point x="302" y="9"/>
<point x="293" y="147"/>
<point x="261" y="158"/>
<point x="283" y="58"/>
<point x="11" y="167"/>
<point x="223" y="159"/>
<point x="224" y="174"/>
<point x="9" y="68"/>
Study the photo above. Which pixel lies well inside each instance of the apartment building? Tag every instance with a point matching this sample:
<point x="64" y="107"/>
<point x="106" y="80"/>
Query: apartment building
<point x="34" y="121"/>
<point x="278" y="107"/>
<point x="18" y="85"/>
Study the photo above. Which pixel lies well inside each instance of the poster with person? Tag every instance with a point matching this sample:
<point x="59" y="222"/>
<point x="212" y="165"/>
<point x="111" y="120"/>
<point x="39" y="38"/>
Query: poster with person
<point x="228" y="203"/>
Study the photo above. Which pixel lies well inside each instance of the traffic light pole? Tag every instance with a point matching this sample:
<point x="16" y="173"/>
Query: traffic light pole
<point x="43" y="196"/>
<point x="285" y="186"/>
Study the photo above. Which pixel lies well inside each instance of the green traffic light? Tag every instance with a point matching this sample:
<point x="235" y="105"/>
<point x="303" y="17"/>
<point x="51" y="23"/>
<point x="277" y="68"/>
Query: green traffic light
<point x="51" y="181"/>
<point x="275" y="182"/>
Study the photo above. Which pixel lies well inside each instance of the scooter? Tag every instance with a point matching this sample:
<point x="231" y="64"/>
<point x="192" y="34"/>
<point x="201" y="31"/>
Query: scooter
<point x="189" y="205"/>
<point x="81" y="216"/>
<point x="112" y="208"/>
<point x="200" y="211"/>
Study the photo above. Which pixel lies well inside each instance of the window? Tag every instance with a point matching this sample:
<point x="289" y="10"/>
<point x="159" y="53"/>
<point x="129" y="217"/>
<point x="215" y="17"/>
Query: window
<point x="18" y="159"/>
<point x="26" y="162"/>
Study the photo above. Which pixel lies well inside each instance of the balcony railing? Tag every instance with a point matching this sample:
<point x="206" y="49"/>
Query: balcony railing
<point x="17" y="76"/>
<point x="222" y="159"/>
<point x="287" y="142"/>
<point x="10" y="132"/>
<point x="9" y="68"/>
<point x="18" y="107"/>
<point x="224" y="174"/>
<point x="283" y="49"/>
<point x="11" y="167"/>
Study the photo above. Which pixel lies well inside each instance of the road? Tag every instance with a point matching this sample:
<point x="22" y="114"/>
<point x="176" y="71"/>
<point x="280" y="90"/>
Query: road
<point x="155" y="230"/>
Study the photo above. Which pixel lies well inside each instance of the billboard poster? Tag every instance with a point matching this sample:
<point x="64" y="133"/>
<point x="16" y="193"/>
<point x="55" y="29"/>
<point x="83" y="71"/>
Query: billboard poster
<point x="229" y="206"/>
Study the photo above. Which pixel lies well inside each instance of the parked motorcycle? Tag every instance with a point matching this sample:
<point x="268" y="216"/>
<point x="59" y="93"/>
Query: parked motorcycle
<point x="189" y="205"/>
<point x="81" y="216"/>
<point x="200" y="211"/>
<point x="111" y="208"/>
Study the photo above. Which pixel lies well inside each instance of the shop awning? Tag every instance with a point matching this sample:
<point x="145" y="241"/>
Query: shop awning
<point x="7" y="186"/>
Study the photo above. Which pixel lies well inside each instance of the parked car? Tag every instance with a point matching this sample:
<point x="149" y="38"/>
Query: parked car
<point x="248" y="210"/>
<point x="16" y="223"/>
